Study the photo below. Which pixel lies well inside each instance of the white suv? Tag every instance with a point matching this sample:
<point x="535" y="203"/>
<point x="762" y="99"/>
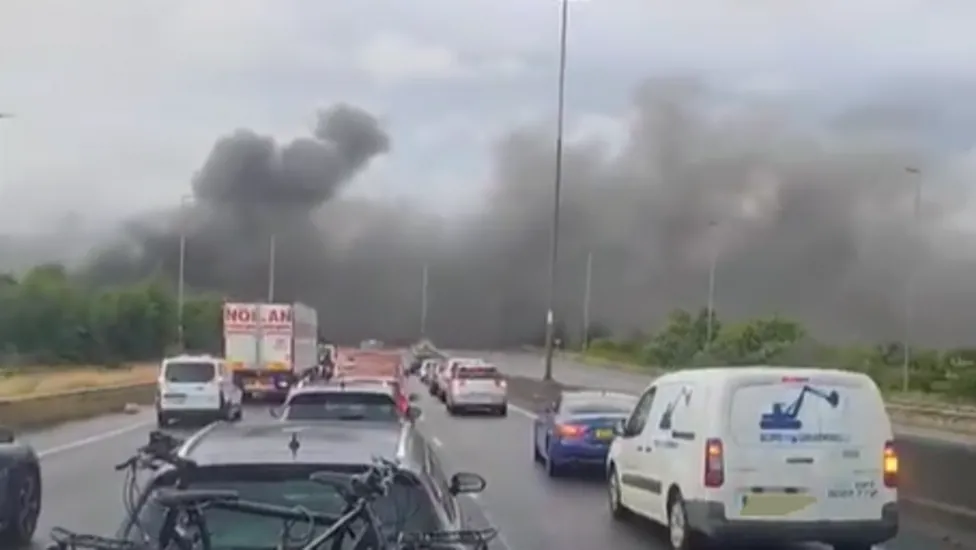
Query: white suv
<point x="476" y="387"/>
<point x="196" y="387"/>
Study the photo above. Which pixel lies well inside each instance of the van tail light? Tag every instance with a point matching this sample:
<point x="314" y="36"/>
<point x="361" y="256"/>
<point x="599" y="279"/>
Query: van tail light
<point x="890" y="465"/>
<point x="570" y="431"/>
<point x="714" y="463"/>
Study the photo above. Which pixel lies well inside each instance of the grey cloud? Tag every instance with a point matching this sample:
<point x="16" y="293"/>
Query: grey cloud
<point x="811" y="225"/>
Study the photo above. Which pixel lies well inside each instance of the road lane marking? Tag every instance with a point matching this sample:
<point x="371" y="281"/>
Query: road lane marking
<point x="58" y="449"/>
<point x="437" y="442"/>
<point x="524" y="412"/>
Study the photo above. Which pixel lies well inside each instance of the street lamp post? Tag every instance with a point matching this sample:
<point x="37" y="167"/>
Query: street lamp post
<point x="910" y="284"/>
<point x="272" y="267"/>
<point x="423" y="301"/>
<point x="710" y="308"/>
<point x="586" y="300"/>
<point x="557" y="189"/>
<point x="181" y="279"/>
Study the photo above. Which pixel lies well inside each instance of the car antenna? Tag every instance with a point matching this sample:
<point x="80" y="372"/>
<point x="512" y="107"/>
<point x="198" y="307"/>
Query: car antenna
<point x="294" y="445"/>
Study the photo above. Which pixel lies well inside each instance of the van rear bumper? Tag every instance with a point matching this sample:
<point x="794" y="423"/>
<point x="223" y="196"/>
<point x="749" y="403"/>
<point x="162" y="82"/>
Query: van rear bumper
<point x="710" y="519"/>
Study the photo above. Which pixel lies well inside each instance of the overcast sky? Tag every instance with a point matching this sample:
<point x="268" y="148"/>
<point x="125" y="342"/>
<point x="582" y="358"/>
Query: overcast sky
<point x="117" y="102"/>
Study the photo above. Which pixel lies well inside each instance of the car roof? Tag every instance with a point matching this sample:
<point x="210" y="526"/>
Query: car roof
<point x="201" y="358"/>
<point x="320" y="442"/>
<point x="595" y="395"/>
<point x="364" y="386"/>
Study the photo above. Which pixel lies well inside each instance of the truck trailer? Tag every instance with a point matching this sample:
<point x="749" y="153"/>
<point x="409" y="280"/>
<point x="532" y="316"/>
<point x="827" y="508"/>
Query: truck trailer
<point x="270" y="347"/>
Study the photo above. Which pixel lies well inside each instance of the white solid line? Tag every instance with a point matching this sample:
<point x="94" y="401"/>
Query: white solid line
<point x="58" y="449"/>
<point x="437" y="442"/>
<point x="524" y="412"/>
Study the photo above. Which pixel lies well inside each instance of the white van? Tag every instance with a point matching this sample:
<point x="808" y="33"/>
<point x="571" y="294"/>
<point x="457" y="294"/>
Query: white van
<point x="196" y="387"/>
<point x="759" y="455"/>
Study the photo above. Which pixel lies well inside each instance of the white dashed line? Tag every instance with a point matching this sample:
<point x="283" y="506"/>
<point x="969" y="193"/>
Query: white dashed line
<point x="436" y="441"/>
<point x="58" y="449"/>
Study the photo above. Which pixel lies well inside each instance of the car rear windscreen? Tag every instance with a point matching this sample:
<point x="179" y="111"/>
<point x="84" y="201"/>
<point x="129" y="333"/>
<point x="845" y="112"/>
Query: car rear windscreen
<point x="794" y="413"/>
<point x="406" y="507"/>
<point x="189" y="372"/>
<point x="345" y="405"/>
<point x="476" y="373"/>
<point x="607" y="406"/>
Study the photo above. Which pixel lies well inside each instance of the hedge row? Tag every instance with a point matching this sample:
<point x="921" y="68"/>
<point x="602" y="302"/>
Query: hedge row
<point x="683" y="342"/>
<point x="47" y="318"/>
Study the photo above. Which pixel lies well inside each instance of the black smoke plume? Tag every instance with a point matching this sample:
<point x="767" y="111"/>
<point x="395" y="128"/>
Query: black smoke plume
<point x="816" y="223"/>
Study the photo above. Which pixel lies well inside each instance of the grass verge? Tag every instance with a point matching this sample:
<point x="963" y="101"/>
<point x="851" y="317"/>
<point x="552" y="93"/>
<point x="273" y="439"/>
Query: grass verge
<point x="30" y="381"/>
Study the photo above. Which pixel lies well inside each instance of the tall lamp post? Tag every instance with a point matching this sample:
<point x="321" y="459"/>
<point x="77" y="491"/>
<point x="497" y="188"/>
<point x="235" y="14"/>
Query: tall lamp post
<point x="557" y="189"/>
<point x="910" y="284"/>
<point x="712" y="268"/>
<point x="185" y="201"/>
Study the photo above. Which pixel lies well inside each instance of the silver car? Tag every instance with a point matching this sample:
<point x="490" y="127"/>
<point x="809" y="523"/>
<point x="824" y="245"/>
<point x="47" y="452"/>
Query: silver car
<point x="476" y="387"/>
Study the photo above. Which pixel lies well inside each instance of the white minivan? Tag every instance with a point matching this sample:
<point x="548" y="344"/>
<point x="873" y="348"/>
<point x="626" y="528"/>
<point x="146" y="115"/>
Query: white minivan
<point x="759" y="455"/>
<point x="196" y="387"/>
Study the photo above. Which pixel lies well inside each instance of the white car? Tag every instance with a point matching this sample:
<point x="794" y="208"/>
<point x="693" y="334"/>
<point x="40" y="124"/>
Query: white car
<point x="445" y="372"/>
<point x="196" y="387"/>
<point x="759" y="455"/>
<point x="476" y="387"/>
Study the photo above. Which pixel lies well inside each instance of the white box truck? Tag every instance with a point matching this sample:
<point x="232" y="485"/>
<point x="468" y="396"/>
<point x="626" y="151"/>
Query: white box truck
<point x="269" y="347"/>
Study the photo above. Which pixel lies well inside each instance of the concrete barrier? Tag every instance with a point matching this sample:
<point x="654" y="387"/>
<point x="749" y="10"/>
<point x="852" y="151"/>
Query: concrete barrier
<point x="936" y="479"/>
<point x="39" y="411"/>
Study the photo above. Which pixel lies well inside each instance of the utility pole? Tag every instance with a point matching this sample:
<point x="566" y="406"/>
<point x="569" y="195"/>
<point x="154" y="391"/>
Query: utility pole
<point x="586" y="300"/>
<point x="181" y="280"/>
<point x="423" y="301"/>
<point x="910" y="284"/>
<point x="272" y="260"/>
<point x="712" y="267"/>
<point x="557" y="190"/>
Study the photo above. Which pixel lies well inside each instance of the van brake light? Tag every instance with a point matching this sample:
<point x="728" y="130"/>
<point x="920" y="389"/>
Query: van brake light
<point x="795" y="379"/>
<point x="890" y="465"/>
<point x="714" y="463"/>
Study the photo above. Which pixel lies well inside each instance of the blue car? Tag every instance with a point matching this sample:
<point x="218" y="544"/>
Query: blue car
<point x="577" y="429"/>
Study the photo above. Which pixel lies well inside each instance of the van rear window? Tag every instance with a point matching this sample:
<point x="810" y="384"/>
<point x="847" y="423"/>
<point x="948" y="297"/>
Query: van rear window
<point x="197" y="372"/>
<point x="793" y="413"/>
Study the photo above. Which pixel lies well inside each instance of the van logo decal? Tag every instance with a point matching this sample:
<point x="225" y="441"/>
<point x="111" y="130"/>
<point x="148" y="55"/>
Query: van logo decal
<point x="785" y="417"/>
<point x="666" y="418"/>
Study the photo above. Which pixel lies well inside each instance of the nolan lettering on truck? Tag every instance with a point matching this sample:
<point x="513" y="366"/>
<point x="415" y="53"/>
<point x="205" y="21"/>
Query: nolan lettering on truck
<point x="243" y="317"/>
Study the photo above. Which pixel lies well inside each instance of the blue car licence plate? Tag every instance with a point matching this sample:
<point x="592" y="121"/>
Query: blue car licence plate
<point x="603" y="434"/>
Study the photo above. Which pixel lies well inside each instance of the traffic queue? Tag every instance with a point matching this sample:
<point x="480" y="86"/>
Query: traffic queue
<point x="754" y="454"/>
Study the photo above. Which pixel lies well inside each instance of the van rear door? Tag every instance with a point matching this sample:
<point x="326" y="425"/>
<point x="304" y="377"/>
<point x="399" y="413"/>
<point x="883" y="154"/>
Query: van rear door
<point x="190" y="385"/>
<point x="806" y="448"/>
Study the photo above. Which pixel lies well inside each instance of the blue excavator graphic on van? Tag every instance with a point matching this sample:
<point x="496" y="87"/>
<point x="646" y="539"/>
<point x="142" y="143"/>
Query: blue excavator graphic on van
<point x="784" y="417"/>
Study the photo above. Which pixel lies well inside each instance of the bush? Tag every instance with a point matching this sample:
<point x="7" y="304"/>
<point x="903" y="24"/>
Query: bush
<point x="683" y="343"/>
<point x="47" y="318"/>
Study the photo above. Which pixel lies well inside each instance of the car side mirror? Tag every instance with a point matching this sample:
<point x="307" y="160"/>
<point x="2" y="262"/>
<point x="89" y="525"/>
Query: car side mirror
<point x="275" y="412"/>
<point x="413" y="413"/>
<point x="6" y="435"/>
<point x="413" y="398"/>
<point x="467" y="483"/>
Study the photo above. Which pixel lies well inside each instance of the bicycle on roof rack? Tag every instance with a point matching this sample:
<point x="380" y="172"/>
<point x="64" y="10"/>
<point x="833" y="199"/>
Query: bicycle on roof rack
<point x="184" y="526"/>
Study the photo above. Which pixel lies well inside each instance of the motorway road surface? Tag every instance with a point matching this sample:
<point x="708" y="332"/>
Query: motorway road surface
<point x="82" y="491"/>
